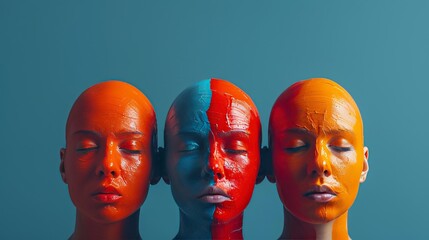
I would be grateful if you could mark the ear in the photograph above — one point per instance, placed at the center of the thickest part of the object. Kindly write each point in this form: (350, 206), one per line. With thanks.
(262, 166)
(269, 170)
(163, 169)
(62, 168)
(365, 168)
(156, 163)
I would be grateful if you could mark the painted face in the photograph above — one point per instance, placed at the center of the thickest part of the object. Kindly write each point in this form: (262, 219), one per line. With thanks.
(107, 161)
(317, 150)
(212, 150)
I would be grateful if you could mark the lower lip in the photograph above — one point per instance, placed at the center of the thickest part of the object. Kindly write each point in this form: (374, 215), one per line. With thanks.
(214, 198)
(107, 197)
(321, 197)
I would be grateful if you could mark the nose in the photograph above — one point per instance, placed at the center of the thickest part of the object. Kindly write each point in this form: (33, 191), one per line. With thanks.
(215, 163)
(109, 163)
(320, 165)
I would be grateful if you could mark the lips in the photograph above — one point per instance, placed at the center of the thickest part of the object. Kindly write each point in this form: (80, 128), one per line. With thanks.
(214, 194)
(321, 194)
(107, 194)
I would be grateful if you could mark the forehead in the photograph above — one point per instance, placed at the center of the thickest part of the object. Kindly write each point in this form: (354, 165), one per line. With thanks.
(316, 107)
(110, 109)
(212, 105)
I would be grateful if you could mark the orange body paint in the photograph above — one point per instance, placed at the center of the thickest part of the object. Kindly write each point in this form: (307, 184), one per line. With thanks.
(318, 158)
(110, 142)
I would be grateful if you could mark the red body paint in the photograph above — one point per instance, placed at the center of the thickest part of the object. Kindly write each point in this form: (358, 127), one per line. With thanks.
(234, 154)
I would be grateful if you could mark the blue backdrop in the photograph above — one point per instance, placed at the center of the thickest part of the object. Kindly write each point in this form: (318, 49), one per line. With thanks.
(50, 51)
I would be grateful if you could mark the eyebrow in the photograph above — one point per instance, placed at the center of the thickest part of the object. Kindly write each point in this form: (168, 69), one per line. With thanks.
(129, 133)
(240, 133)
(329, 132)
(190, 133)
(89, 132)
(340, 132)
(298, 131)
(121, 133)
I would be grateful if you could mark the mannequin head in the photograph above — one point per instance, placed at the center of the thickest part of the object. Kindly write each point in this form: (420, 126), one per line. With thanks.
(110, 142)
(318, 154)
(212, 143)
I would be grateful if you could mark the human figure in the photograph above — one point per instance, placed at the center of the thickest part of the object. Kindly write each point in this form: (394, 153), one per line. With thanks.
(107, 162)
(212, 157)
(318, 158)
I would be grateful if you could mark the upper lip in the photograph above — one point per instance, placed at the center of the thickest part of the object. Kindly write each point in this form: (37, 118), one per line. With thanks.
(213, 190)
(106, 190)
(320, 189)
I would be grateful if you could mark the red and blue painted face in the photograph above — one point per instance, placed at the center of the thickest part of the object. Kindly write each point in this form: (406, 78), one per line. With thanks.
(212, 136)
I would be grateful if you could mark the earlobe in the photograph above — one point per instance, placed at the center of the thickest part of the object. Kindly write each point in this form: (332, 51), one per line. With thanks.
(365, 168)
(156, 167)
(155, 172)
(262, 166)
(162, 165)
(62, 168)
(268, 165)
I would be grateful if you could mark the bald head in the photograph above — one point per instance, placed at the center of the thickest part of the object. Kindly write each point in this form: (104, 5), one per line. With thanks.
(316, 140)
(111, 99)
(212, 141)
(195, 104)
(313, 100)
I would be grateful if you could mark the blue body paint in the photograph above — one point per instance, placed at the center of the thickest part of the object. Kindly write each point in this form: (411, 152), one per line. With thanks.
(187, 152)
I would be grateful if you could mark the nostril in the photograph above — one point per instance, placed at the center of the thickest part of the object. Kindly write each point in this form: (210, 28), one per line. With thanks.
(326, 172)
(219, 175)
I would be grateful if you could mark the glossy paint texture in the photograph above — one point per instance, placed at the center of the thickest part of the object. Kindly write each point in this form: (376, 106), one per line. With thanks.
(110, 142)
(318, 155)
(212, 158)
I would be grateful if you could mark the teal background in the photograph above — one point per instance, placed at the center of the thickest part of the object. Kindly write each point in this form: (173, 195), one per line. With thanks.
(50, 51)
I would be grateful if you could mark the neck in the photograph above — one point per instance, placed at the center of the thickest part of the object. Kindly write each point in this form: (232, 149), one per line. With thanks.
(87, 228)
(211, 229)
(296, 229)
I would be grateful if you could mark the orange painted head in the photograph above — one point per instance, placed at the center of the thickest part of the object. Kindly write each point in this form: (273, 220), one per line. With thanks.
(318, 153)
(110, 144)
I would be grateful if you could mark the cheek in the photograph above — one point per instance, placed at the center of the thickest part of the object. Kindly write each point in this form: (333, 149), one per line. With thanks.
(79, 169)
(241, 174)
(136, 174)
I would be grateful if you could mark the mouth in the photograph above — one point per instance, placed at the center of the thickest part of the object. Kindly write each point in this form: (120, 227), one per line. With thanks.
(321, 194)
(107, 194)
(214, 194)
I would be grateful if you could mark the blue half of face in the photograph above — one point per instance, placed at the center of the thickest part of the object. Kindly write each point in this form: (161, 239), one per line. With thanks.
(187, 146)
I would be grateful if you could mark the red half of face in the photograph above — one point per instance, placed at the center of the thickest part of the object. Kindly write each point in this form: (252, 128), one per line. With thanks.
(234, 147)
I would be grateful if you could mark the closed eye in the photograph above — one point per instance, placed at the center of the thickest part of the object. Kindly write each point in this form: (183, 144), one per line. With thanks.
(189, 147)
(130, 151)
(86, 149)
(235, 151)
(340, 149)
(296, 149)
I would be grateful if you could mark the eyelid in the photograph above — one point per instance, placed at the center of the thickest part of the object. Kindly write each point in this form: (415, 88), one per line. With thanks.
(296, 145)
(235, 147)
(86, 145)
(189, 146)
(131, 146)
(340, 145)
(340, 149)
(86, 149)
